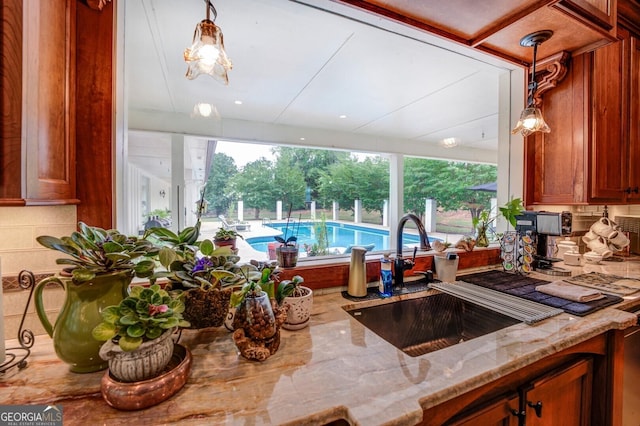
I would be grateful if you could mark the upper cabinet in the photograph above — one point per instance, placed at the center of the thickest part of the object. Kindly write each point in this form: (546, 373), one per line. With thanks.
(592, 153)
(38, 91)
(614, 145)
(496, 26)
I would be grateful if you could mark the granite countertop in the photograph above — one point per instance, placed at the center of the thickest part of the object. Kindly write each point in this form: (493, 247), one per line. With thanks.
(334, 369)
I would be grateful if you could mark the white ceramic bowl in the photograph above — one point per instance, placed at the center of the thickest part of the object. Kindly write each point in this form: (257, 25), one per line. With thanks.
(593, 258)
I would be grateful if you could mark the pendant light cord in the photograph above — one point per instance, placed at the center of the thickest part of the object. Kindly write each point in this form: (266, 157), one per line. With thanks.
(211, 8)
(533, 84)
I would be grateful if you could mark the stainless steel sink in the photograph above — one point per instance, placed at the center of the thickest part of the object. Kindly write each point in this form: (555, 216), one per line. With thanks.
(427, 324)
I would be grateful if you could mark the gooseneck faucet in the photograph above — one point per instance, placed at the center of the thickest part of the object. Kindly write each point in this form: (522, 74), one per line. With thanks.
(402, 264)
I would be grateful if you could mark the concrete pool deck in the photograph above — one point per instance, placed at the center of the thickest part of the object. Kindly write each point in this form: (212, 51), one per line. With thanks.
(260, 228)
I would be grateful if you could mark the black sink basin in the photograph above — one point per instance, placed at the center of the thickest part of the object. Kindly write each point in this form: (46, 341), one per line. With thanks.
(427, 324)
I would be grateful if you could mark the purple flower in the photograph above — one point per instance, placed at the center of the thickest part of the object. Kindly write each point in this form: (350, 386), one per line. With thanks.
(202, 264)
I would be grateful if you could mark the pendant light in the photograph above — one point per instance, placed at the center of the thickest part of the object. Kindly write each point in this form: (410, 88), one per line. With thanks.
(531, 119)
(206, 54)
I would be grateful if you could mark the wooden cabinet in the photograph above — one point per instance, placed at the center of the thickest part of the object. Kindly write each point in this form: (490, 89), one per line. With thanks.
(614, 145)
(502, 411)
(562, 396)
(591, 155)
(496, 26)
(39, 90)
(579, 385)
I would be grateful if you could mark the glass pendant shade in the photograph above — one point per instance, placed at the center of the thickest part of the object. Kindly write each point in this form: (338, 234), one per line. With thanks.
(531, 121)
(207, 55)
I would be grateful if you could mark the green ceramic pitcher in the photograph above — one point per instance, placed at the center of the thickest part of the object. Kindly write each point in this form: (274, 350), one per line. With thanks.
(81, 312)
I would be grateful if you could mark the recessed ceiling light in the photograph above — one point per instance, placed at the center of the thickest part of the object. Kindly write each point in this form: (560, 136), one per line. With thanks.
(449, 142)
(301, 139)
(203, 109)
(238, 102)
(343, 116)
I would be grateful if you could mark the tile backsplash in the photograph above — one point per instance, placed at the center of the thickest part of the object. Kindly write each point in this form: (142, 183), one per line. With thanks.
(19, 227)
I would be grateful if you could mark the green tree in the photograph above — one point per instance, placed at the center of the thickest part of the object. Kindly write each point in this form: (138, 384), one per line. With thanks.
(347, 181)
(288, 184)
(312, 163)
(217, 193)
(254, 185)
(447, 183)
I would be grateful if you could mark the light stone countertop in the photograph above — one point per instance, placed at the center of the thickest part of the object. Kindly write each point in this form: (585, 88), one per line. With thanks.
(333, 369)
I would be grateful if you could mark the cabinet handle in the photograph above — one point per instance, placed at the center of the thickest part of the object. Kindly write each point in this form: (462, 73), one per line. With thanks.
(518, 414)
(635, 189)
(629, 190)
(537, 407)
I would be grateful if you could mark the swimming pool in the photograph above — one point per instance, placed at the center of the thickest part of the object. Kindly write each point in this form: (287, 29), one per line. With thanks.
(339, 235)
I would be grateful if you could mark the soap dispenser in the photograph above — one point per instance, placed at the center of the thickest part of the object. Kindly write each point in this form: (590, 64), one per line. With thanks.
(357, 273)
(386, 278)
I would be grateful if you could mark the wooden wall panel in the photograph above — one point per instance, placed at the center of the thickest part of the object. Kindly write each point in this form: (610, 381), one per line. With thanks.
(11, 85)
(95, 113)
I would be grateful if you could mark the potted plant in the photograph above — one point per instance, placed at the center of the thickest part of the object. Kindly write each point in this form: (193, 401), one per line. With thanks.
(137, 333)
(102, 264)
(481, 224)
(287, 251)
(206, 275)
(226, 237)
(510, 210)
(297, 300)
(258, 316)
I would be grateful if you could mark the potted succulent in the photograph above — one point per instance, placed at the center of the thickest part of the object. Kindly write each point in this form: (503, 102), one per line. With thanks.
(297, 301)
(258, 316)
(137, 333)
(102, 264)
(206, 275)
(226, 237)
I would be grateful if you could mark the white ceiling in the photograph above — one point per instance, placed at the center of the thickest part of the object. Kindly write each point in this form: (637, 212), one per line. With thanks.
(297, 67)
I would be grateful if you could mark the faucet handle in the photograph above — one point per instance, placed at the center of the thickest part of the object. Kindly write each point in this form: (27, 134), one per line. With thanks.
(413, 259)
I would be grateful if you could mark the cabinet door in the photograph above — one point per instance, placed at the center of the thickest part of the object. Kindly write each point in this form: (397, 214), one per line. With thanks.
(634, 121)
(608, 165)
(49, 98)
(555, 162)
(11, 122)
(600, 13)
(499, 412)
(562, 397)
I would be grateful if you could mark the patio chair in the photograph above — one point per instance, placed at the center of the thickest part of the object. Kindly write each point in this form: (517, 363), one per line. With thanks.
(226, 224)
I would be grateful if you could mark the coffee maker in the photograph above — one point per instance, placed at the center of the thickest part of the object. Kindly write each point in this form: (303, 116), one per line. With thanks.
(540, 226)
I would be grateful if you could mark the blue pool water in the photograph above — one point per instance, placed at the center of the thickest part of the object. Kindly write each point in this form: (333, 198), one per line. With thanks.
(339, 235)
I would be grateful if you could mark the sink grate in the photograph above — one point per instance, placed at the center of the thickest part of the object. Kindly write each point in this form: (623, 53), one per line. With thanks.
(431, 346)
(515, 307)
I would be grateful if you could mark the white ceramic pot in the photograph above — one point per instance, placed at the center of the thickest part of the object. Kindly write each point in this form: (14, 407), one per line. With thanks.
(566, 246)
(592, 257)
(146, 362)
(298, 310)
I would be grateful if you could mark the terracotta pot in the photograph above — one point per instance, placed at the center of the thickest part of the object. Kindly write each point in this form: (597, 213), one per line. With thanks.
(147, 361)
(298, 310)
(225, 243)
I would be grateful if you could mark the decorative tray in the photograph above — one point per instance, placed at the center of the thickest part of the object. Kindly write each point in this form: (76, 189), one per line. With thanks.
(144, 394)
